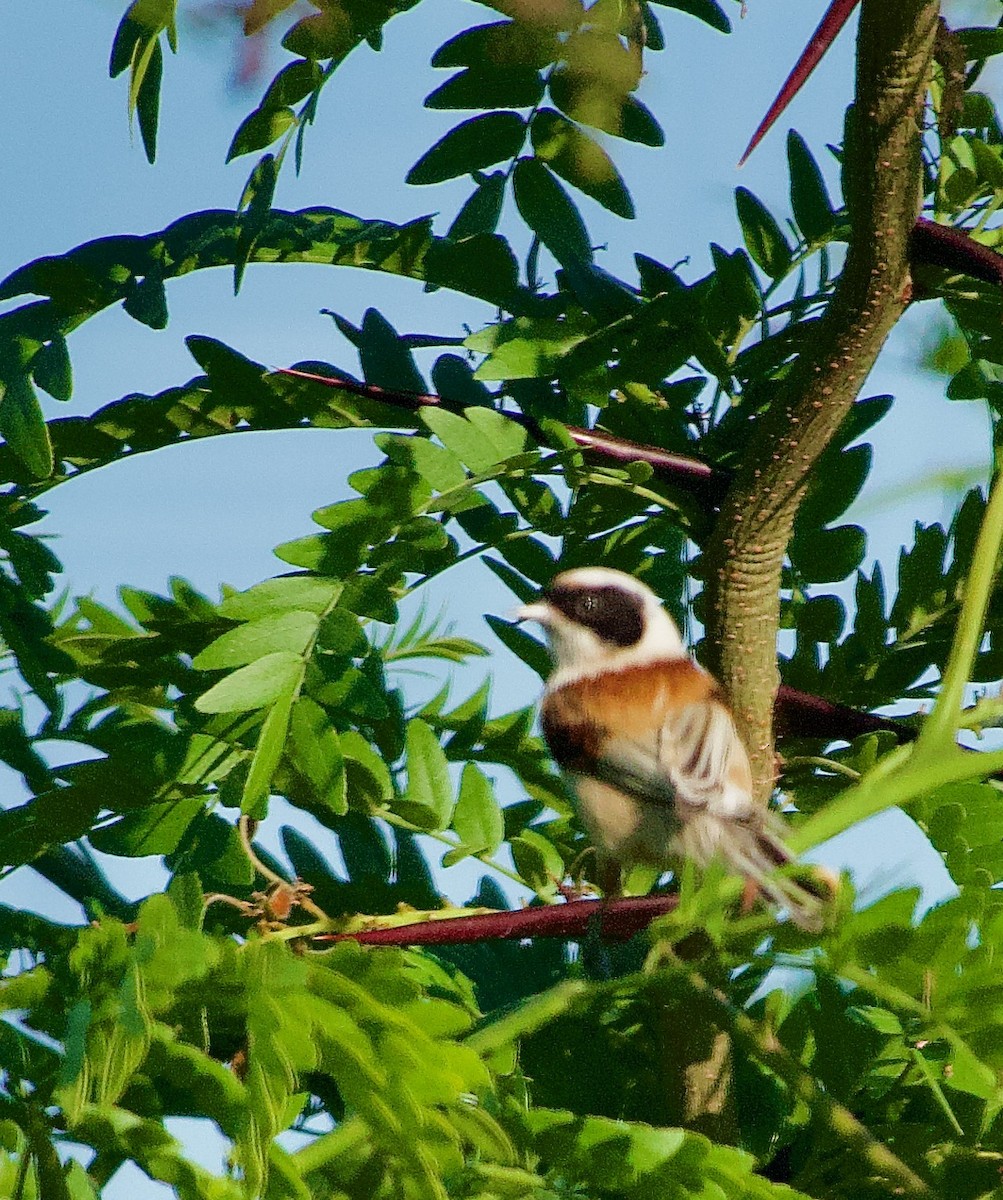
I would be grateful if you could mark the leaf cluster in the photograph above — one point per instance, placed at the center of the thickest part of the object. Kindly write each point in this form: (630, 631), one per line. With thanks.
(862, 1060)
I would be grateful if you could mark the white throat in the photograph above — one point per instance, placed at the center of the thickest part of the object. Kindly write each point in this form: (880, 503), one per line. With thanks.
(579, 653)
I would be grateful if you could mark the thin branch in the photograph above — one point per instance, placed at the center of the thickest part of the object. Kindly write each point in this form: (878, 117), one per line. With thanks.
(798, 713)
(611, 920)
(762, 1044)
(943, 246)
(691, 473)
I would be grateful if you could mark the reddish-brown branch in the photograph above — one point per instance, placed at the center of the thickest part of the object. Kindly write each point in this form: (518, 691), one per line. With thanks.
(954, 249)
(836, 16)
(369, 391)
(611, 920)
(799, 714)
(691, 473)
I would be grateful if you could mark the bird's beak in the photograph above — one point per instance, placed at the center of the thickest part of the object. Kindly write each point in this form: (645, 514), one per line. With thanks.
(539, 611)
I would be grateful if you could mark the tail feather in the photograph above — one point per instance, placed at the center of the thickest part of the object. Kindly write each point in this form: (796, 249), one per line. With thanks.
(756, 850)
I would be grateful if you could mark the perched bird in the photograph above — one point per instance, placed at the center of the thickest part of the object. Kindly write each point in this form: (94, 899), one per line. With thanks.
(650, 745)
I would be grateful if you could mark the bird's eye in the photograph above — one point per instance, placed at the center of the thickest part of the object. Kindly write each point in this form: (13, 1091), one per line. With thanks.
(587, 604)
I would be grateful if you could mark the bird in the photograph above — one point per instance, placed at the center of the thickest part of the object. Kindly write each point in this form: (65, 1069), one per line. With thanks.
(656, 762)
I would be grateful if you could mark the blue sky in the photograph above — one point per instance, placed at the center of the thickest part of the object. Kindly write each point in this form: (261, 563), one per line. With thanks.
(212, 511)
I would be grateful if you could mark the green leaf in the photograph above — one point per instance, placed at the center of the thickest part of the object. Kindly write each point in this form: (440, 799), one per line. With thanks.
(970, 1074)
(480, 142)
(146, 302)
(478, 447)
(103, 272)
(763, 236)
(478, 820)
(638, 124)
(306, 592)
(489, 87)
(354, 524)
(737, 281)
(586, 100)
(341, 27)
(526, 349)
(284, 631)
(156, 829)
(501, 44)
(654, 37)
(254, 686)
(253, 212)
(453, 379)
(533, 653)
(708, 11)
(268, 752)
(428, 799)
(52, 369)
(829, 555)
(137, 48)
(374, 593)
(259, 129)
(580, 160)
(821, 619)
(547, 209)
(315, 752)
(481, 213)
(148, 101)
(341, 633)
(601, 295)
(293, 83)
(600, 1155)
(369, 782)
(482, 265)
(979, 43)
(507, 438)
(810, 201)
(537, 861)
(437, 465)
(838, 479)
(386, 359)
(22, 423)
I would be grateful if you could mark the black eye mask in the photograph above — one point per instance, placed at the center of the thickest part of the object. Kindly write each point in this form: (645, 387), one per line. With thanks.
(611, 613)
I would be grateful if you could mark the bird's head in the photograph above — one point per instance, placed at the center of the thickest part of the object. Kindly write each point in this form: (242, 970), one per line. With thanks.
(597, 620)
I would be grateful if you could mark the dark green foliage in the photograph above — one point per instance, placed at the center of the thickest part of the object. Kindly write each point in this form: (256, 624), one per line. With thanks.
(492, 1069)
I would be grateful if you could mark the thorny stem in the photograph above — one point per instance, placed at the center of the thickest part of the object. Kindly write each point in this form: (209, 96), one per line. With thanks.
(746, 549)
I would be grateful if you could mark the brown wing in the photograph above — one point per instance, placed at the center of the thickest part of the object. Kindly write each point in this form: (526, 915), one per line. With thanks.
(659, 732)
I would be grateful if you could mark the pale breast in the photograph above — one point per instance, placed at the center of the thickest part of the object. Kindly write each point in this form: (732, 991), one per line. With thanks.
(626, 829)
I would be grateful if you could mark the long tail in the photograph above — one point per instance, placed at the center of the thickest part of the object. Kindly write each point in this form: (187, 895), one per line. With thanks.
(757, 851)
(764, 859)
